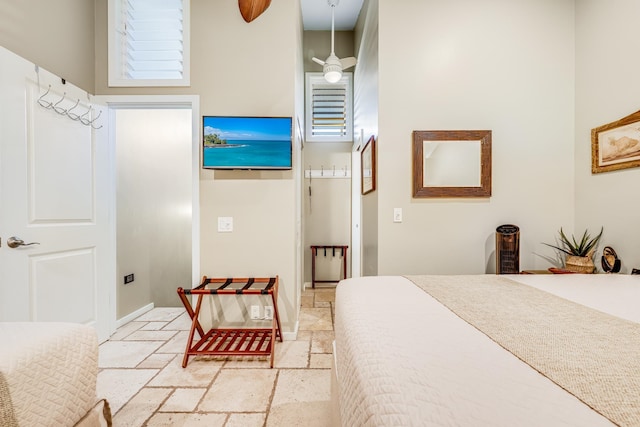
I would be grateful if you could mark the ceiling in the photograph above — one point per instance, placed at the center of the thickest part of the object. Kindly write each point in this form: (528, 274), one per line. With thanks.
(316, 14)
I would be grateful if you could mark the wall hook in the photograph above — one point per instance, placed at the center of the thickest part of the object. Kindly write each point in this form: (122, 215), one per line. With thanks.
(73, 116)
(42, 101)
(83, 119)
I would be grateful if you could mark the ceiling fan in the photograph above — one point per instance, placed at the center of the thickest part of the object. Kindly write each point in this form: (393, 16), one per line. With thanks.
(333, 66)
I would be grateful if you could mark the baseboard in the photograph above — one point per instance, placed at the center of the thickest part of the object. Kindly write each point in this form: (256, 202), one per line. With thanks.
(131, 316)
(291, 336)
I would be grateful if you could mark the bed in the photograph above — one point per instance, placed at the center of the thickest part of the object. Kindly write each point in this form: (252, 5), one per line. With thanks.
(48, 374)
(403, 357)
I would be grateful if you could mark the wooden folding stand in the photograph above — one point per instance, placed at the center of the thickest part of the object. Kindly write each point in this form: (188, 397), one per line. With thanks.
(232, 341)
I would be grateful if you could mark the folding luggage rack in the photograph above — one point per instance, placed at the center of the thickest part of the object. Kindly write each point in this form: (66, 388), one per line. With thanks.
(333, 248)
(232, 341)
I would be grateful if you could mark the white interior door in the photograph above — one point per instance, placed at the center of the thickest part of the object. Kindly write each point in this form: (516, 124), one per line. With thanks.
(54, 190)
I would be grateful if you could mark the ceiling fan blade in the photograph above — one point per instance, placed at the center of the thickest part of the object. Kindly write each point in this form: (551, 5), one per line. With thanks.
(317, 61)
(251, 9)
(348, 62)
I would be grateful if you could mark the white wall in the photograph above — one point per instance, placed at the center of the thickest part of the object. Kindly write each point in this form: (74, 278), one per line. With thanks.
(56, 35)
(260, 81)
(153, 192)
(242, 69)
(607, 89)
(497, 64)
(327, 209)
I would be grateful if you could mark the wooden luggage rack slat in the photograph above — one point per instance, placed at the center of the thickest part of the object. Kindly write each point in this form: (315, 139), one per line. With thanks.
(231, 341)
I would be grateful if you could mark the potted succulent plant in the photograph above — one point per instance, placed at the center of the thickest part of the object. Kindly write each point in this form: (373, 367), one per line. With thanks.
(579, 253)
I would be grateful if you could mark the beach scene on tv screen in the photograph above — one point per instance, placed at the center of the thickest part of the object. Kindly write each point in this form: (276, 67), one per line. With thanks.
(247, 142)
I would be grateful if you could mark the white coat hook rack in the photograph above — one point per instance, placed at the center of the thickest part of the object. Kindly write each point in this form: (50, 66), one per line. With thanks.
(64, 106)
(328, 174)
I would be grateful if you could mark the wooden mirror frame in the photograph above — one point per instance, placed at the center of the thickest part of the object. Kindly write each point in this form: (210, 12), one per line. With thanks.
(484, 136)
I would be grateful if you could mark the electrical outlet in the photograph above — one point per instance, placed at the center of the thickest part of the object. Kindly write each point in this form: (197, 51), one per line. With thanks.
(128, 278)
(255, 312)
(268, 312)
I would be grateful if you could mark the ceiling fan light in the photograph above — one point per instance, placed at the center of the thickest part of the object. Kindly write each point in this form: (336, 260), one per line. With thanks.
(333, 76)
(332, 70)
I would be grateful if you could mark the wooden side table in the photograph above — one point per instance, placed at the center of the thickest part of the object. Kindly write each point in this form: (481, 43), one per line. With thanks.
(332, 248)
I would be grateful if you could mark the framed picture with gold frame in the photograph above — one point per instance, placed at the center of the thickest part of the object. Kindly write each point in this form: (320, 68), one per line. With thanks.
(368, 166)
(616, 145)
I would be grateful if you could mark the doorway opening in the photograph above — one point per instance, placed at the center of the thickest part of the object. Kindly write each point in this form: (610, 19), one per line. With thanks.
(156, 163)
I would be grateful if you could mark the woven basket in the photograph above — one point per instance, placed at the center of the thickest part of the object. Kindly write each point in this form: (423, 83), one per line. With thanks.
(580, 264)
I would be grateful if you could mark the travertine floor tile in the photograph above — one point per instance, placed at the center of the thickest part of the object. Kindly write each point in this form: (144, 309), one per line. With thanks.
(177, 344)
(302, 385)
(141, 335)
(125, 354)
(187, 420)
(245, 420)
(181, 323)
(218, 391)
(183, 400)
(120, 385)
(306, 301)
(198, 373)
(325, 296)
(248, 362)
(125, 330)
(302, 398)
(315, 319)
(304, 335)
(153, 326)
(161, 314)
(156, 361)
(321, 361)
(141, 407)
(307, 414)
(292, 354)
(322, 342)
(240, 390)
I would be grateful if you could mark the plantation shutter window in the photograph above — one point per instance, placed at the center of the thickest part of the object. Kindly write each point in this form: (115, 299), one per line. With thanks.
(148, 42)
(328, 109)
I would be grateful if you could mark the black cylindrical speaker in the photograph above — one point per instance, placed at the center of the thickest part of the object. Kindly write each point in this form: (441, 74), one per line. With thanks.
(507, 249)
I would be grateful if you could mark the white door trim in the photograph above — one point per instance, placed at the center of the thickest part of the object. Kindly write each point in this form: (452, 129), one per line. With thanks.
(356, 207)
(115, 102)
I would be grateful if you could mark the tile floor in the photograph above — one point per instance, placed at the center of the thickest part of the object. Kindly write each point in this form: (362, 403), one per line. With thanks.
(142, 378)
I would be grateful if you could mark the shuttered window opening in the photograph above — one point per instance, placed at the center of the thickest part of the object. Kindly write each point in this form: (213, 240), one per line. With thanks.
(329, 110)
(328, 115)
(150, 43)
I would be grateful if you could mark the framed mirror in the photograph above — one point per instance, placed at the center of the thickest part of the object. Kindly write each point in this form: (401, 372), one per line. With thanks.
(453, 163)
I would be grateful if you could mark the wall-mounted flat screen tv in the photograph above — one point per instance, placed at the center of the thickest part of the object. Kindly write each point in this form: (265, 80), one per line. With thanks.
(231, 142)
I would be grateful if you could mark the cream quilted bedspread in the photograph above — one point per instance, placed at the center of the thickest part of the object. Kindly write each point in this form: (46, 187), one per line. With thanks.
(403, 359)
(51, 371)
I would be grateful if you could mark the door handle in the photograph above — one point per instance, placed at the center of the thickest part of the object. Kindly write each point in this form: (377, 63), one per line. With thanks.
(14, 242)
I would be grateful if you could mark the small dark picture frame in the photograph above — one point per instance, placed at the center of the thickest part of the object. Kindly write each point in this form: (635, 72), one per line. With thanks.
(368, 166)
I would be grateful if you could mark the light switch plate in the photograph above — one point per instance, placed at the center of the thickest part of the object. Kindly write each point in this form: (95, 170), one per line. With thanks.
(225, 224)
(397, 214)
